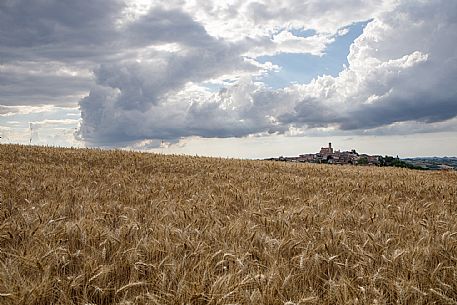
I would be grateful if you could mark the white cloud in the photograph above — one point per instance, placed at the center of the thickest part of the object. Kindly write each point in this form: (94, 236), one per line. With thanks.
(234, 19)
(286, 42)
(61, 122)
(399, 70)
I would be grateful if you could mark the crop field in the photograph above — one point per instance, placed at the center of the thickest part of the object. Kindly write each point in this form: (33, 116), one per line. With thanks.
(81, 226)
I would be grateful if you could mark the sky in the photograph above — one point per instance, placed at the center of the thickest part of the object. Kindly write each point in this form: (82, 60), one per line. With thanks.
(230, 78)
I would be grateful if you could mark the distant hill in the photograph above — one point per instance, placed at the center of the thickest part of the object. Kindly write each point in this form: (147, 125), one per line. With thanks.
(434, 163)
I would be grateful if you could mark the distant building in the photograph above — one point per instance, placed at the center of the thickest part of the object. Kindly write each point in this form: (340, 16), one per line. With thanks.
(307, 158)
(326, 150)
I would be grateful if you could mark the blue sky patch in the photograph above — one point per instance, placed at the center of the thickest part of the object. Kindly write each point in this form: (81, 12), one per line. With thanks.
(302, 68)
(303, 33)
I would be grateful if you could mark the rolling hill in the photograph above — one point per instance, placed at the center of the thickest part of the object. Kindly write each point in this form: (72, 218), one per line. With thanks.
(81, 226)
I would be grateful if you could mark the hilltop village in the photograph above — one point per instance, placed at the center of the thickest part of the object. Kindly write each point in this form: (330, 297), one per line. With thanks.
(331, 156)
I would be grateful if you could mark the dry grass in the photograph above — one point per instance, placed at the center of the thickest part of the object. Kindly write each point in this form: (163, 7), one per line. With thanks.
(112, 227)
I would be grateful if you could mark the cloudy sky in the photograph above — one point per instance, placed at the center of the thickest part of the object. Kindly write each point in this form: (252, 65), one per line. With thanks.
(251, 78)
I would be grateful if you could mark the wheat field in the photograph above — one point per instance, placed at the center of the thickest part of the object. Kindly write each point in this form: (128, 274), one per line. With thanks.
(81, 226)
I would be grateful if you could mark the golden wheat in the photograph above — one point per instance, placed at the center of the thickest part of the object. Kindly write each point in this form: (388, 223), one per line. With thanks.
(115, 227)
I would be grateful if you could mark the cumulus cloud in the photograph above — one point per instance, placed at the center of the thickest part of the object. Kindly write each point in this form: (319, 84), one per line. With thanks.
(240, 110)
(127, 91)
(137, 68)
(400, 69)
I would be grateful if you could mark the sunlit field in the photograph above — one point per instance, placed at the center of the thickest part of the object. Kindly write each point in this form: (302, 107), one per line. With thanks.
(114, 227)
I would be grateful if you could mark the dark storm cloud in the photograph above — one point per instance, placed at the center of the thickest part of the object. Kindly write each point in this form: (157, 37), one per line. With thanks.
(224, 114)
(37, 28)
(38, 22)
(39, 39)
(84, 29)
(398, 110)
(29, 84)
(161, 25)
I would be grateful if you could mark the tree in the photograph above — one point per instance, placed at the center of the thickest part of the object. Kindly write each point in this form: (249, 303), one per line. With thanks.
(363, 161)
